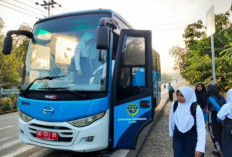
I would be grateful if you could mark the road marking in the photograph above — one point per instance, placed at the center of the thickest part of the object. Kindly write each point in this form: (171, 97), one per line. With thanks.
(6, 127)
(42, 152)
(9, 144)
(19, 151)
(4, 139)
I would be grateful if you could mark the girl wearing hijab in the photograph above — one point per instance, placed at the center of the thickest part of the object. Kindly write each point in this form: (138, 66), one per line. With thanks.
(202, 98)
(225, 114)
(187, 130)
(215, 102)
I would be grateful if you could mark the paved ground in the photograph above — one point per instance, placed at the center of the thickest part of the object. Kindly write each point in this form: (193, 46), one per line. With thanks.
(159, 144)
(10, 145)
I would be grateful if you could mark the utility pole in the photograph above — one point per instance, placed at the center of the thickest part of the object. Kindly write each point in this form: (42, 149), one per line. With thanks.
(48, 5)
(210, 31)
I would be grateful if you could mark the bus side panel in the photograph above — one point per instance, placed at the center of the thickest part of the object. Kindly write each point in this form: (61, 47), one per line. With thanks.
(128, 118)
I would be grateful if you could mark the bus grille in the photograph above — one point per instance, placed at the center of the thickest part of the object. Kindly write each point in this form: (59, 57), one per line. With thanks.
(65, 134)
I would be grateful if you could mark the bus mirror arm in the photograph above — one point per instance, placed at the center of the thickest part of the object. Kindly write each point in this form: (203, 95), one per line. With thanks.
(101, 58)
(103, 32)
(7, 45)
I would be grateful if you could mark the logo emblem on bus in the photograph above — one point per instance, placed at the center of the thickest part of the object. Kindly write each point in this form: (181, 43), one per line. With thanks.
(132, 109)
(51, 97)
(48, 110)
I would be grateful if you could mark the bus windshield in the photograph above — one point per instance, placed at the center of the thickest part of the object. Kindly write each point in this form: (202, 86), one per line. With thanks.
(66, 47)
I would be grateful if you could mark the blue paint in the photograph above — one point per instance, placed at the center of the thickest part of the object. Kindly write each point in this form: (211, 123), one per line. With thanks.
(63, 110)
(123, 121)
(139, 78)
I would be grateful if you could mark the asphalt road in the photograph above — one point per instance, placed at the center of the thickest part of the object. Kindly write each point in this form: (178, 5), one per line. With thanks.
(10, 145)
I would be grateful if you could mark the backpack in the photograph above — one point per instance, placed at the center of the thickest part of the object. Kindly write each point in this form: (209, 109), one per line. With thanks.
(193, 110)
(221, 101)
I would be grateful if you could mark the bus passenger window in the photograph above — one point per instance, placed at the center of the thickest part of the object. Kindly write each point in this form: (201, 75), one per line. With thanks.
(138, 75)
(124, 77)
(132, 77)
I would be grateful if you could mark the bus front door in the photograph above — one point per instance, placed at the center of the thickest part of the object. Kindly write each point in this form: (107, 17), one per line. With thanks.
(132, 94)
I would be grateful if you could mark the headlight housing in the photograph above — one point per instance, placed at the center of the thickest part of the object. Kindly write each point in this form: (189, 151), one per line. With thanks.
(87, 120)
(24, 117)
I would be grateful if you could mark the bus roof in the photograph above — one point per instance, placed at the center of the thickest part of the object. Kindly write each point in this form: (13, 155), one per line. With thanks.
(85, 12)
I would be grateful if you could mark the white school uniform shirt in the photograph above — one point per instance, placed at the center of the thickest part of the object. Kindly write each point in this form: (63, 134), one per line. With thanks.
(85, 50)
(184, 121)
(226, 110)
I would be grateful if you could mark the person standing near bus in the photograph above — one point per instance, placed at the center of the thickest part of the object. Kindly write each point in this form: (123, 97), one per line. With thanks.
(202, 98)
(186, 125)
(164, 84)
(170, 91)
(215, 102)
(86, 55)
(225, 114)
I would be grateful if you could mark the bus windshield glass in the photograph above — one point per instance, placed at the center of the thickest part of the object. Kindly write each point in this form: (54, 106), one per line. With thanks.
(66, 47)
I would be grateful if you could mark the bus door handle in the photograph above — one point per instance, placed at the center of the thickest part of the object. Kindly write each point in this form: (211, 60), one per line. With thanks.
(144, 104)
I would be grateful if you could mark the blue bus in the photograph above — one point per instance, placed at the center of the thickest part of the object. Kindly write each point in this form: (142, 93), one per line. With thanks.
(91, 82)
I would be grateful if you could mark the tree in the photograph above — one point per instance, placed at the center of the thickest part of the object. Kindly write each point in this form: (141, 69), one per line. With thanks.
(194, 61)
(1, 24)
(180, 57)
(165, 77)
(11, 65)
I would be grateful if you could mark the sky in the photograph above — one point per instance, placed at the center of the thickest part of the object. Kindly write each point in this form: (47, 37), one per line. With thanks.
(166, 18)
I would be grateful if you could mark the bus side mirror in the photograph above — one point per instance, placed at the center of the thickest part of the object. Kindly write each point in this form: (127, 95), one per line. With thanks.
(7, 45)
(103, 37)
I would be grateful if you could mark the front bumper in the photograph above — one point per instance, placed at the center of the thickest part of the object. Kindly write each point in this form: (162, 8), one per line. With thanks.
(90, 138)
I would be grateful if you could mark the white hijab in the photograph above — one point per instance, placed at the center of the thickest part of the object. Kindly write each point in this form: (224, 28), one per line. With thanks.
(229, 96)
(183, 119)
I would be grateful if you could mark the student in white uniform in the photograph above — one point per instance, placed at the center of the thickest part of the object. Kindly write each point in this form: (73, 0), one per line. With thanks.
(225, 114)
(186, 125)
(86, 60)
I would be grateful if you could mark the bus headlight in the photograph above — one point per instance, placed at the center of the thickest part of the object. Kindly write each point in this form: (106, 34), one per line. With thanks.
(87, 120)
(24, 117)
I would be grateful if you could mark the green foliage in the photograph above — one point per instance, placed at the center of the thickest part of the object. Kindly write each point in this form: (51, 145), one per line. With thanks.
(7, 104)
(11, 66)
(14, 100)
(1, 23)
(180, 57)
(166, 77)
(194, 62)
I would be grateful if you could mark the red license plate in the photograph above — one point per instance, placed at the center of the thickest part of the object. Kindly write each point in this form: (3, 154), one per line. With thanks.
(47, 135)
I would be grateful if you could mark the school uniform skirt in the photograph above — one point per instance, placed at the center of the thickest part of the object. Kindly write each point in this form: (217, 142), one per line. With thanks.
(184, 144)
(227, 138)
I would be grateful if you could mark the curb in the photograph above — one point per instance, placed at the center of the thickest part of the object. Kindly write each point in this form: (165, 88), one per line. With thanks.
(2, 113)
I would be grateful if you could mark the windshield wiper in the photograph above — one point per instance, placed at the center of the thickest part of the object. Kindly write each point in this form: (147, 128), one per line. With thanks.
(67, 90)
(40, 78)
